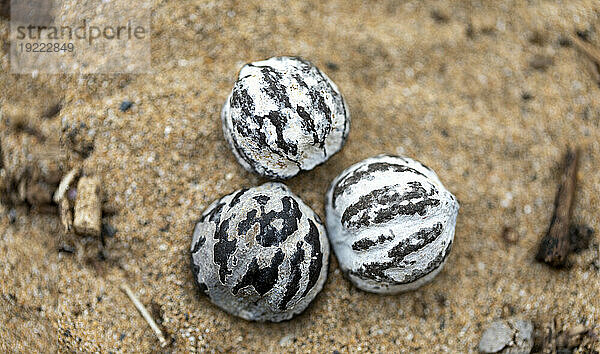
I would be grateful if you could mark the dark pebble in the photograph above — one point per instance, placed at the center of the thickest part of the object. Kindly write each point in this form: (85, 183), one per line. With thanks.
(12, 216)
(537, 38)
(564, 42)
(125, 105)
(526, 96)
(585, 35)
(108, 230)
(439, 16)
(332, 66)
(66, 249)
(52, 111)
(541, 62)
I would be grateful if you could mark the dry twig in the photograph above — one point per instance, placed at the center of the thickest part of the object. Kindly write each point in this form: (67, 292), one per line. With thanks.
(65, 184)
(587, 48)
(592, 52)
(556, 244)
(144, 314)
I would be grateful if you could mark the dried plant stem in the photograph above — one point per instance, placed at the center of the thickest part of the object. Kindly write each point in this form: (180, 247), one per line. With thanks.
(145, 314)
(587, 48)
(556, 244)
(65, 184)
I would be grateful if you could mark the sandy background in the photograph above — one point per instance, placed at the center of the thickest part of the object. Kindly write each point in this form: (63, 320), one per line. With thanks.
(456, 85)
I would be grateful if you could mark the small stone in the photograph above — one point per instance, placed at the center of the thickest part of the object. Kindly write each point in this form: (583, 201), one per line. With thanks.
(108, 230)
(88, 207)
(125, 106)
(523, 336)
(526, 96)
(52, 111)
(332, 66)
(439, 16)
(510, 235)
(12, 215)
(66, 249)
(541, 62)
(496, 337)
(564, 42)
(537, 38)
(512, 336)
(286, 340)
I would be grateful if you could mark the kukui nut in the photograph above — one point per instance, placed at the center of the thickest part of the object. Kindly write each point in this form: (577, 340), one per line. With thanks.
(260, 253)
(283, 116)
(391, 223)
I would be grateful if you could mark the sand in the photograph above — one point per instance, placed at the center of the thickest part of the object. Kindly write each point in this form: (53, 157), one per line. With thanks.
(488, 94)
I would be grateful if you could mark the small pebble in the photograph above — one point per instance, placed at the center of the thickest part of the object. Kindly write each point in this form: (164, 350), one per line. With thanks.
(66, 249)
(12, 215)
(510, 336)
(332, 66)
(286, 340)
(541, 62)
(510, 235)
(108, 230)
(497, 336)
(125, 106)
(526, 96)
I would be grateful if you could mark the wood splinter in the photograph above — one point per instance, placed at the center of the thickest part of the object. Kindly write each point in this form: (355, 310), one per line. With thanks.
(556, 245)
(587, 48)
(592, 52)
(87, 218)
(145, 314)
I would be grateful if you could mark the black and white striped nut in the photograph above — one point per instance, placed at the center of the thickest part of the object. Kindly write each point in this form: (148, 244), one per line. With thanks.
(283, 116)
(260, 253)
(391, 223)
